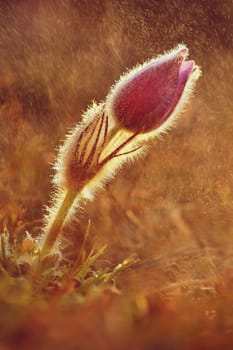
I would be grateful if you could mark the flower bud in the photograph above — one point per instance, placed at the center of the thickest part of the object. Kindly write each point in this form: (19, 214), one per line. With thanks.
(147, 96)
(141, 105)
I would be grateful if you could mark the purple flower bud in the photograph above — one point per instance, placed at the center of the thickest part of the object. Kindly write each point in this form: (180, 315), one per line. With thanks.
(147, 96)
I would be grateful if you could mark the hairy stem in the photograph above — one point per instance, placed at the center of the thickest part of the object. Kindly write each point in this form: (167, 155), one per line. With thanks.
(58, 221)
(90, 168)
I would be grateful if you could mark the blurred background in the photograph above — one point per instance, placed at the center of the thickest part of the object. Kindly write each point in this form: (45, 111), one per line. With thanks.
(172, 209)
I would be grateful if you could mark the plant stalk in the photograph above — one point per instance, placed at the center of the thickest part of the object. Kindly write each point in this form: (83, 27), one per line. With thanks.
(111, 151)
(58, 221)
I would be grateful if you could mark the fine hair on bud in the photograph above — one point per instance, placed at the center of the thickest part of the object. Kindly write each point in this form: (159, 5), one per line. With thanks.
(150, 96)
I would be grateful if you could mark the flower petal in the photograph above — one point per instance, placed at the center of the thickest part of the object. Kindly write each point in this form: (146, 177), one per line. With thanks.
(145, 97)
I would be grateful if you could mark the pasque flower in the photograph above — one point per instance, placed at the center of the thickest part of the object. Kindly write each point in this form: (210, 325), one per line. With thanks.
(147, 96)
(141, 105)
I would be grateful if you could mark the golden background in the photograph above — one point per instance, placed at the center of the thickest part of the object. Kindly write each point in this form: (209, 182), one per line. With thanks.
(172, 209)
